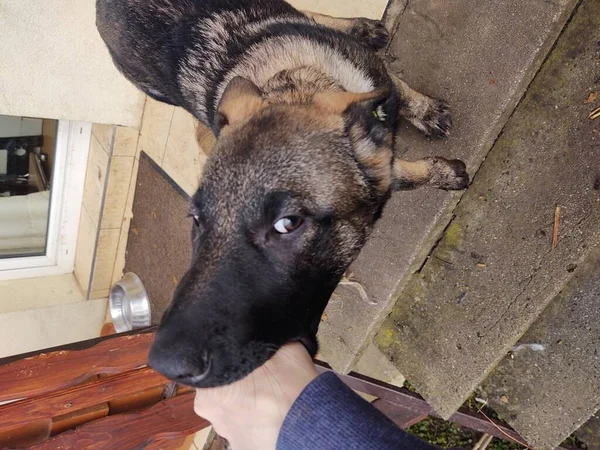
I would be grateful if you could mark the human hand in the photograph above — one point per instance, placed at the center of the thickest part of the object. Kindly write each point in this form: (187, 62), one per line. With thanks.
(250, 413)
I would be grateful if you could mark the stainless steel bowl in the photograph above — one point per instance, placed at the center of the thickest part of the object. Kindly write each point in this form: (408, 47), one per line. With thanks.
(129, 304)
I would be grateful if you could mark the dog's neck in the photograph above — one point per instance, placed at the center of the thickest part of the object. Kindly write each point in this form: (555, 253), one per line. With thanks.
(298, 86)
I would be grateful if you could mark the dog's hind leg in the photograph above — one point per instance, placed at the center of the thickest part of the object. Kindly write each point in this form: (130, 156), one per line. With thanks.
(435, 172)
(430, 115)
(371, 32)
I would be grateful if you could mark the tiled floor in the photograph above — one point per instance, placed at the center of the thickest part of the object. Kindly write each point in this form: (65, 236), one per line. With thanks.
(112, 165)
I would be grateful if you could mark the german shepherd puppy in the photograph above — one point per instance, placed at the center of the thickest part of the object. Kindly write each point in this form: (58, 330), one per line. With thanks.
(305, 114)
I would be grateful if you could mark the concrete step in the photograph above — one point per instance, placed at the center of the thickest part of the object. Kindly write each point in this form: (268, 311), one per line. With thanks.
(589, 433)
(549, 385)
(480, 56)
(495, 269)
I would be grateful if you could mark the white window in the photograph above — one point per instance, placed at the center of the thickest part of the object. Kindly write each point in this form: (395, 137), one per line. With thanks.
(68, 175)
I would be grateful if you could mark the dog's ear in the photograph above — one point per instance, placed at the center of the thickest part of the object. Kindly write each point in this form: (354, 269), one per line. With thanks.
(370, 121)
(240, 101)
(340, 102)
(374, 113)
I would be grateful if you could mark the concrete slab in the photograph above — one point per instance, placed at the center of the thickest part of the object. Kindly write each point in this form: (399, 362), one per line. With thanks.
(549, 385)
(495, 269)
(480, 56)
(374, 364)
(589, 433)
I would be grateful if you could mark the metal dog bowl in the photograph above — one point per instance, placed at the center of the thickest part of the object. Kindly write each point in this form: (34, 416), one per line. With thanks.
(129, 304)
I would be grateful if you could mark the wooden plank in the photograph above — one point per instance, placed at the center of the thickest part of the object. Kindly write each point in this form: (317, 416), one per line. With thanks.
(68, 421)
(165, 444)
(76, 346)
(18, 414)
(136, 401)
(47, 372)
(152, 429)
(32, 433)
(401, 416)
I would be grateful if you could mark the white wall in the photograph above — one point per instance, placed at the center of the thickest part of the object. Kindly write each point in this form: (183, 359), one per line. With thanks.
(38, 313)
(38, 329)
(56, 66)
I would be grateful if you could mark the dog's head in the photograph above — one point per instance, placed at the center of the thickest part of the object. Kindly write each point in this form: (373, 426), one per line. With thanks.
(286, 202)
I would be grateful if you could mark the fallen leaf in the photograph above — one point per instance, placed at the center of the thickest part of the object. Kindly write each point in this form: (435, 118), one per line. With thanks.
(175, 280)
(135, 231)
(481, 265)
(591, 98)
(324, 317)
(504, 399)
(493, 81)
(154, 216)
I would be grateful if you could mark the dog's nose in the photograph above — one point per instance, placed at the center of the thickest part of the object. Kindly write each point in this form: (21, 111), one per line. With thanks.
(179, 364)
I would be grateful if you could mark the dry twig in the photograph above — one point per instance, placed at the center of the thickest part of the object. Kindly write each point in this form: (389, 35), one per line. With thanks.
(556, 226)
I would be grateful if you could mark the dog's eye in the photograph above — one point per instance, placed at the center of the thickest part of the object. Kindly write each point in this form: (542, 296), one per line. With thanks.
(288, 224)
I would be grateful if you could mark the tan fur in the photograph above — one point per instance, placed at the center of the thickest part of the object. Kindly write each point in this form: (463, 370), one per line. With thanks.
(241, 100)
(336, 23)
(436, 172)
(412, 171)
(338, 102)
(298, 86)
(206, 138)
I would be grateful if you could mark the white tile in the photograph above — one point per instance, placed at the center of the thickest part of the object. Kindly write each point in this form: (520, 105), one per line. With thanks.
(98, 295)
(106, 253)
(104, 134)
(33, 293)
(84, 252)
(184, 159)
(27, 331)
(95, 178)
(117, 191)
(156, 123)
(373, 9)
(126, 141)
(120, 261)
(132, 187)
(201, 437)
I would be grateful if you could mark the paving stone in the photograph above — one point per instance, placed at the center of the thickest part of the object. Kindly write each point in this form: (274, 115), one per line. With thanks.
(549, 385)
(589, 433)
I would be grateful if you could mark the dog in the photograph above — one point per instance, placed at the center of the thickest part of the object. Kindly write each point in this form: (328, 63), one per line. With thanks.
(305, 114)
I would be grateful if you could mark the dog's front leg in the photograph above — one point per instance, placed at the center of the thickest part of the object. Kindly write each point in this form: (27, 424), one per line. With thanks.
(430, 115)
(436, 172)
(371, 32)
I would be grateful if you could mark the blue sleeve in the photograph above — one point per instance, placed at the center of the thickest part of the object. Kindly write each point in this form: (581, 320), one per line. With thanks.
(329, 415)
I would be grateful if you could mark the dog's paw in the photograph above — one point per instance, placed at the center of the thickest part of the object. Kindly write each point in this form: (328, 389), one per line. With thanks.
(450, 175)
(371, 32)
(436, 120)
